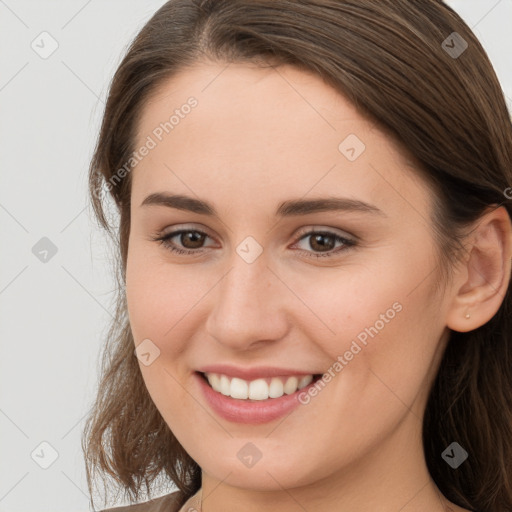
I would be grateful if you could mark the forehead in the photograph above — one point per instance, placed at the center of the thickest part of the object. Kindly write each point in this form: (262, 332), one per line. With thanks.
(255, 133)
(252, 97)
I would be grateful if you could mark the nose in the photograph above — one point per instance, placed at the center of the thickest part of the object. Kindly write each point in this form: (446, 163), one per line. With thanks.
(249, 305)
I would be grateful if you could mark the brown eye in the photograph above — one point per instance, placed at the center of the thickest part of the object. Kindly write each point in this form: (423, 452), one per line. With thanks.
(188, 241)
(192, 239)
(323, 244)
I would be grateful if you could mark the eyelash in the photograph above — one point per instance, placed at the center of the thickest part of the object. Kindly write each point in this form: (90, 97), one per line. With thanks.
(347, 243)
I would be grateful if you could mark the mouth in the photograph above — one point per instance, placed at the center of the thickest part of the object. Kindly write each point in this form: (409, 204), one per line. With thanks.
(257, 390)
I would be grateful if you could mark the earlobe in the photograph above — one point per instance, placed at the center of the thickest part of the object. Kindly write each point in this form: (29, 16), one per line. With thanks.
(485, 276)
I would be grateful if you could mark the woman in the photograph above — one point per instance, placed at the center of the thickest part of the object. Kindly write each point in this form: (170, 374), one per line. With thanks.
(314, 261)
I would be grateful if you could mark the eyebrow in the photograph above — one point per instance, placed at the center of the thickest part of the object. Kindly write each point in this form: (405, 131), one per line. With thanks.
(285, 209)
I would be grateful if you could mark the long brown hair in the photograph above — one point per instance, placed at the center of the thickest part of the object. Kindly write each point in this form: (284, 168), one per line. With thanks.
(390, 58)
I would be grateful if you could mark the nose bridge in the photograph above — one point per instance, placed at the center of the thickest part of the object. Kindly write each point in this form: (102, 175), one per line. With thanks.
(246, 303)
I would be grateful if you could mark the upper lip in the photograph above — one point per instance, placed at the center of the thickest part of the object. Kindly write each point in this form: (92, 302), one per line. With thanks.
(252, 373)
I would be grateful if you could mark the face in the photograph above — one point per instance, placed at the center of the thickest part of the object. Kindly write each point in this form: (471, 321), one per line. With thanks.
(346, 292)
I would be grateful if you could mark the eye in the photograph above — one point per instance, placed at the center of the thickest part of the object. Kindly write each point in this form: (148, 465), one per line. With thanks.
(325, 241)
(191, 239)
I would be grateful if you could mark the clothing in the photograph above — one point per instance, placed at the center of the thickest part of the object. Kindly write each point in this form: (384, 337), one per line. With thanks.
(165, 503)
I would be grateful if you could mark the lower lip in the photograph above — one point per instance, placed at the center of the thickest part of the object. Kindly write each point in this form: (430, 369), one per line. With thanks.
(243, 411)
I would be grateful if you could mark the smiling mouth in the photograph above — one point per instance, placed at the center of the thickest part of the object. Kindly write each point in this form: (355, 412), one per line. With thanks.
(257, 389)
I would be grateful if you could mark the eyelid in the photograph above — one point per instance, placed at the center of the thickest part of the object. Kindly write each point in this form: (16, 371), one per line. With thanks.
(185, 227)
(321, 228)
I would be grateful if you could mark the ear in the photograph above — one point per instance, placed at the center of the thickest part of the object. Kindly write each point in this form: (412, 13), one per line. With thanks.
(481, 283)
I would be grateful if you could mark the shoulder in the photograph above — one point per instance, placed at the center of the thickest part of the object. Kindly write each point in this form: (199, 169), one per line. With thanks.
(167, 503)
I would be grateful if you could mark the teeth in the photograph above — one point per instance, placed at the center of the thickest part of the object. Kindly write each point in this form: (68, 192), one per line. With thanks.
(259, 389)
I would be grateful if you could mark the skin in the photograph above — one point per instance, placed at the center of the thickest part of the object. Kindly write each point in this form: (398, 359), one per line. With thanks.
(256, 138)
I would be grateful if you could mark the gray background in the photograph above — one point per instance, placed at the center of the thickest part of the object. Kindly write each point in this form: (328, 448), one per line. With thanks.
(54, 313)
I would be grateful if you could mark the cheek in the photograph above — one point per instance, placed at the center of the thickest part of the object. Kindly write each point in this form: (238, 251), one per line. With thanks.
(382, 320)
(158, 295)
(158, 300)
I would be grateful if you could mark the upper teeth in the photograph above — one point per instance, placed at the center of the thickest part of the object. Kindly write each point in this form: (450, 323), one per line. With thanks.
(259, 389)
